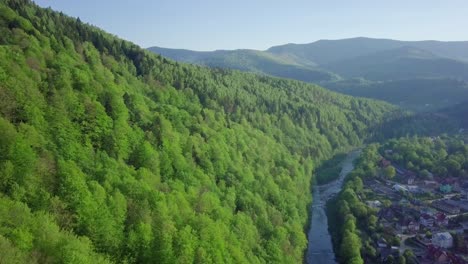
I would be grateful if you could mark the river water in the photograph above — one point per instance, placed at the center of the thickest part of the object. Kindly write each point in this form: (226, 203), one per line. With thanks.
(320, 249)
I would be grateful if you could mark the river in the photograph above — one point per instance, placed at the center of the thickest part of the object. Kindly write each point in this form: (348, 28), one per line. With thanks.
(320, 248)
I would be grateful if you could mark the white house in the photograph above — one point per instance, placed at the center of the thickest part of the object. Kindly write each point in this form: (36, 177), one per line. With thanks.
(443, 240)
(413, 188)
(400, 188)
(374, 204)
(426, 220)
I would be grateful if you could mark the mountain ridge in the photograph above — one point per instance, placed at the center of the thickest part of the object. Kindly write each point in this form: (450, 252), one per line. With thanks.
(327, 62)
(454, 49)
(406, 62)
(249, 60)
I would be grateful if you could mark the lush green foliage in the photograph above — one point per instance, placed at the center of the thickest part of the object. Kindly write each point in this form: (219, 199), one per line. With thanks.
(356, 224)
(442, 156)
(109, 153)
(329, 170)
(352, 219)
(422, 124)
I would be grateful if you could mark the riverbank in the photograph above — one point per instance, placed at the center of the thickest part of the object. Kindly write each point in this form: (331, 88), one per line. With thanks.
(330, 170)
(320, 248)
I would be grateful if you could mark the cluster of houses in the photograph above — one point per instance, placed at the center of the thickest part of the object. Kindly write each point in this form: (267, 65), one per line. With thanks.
(417, 222)
(430, 223)
(409, 220)
(445, 187)
(436, 255)
(451, 191)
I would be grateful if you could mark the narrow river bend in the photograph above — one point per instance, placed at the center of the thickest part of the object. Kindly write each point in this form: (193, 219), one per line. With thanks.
(320, 249)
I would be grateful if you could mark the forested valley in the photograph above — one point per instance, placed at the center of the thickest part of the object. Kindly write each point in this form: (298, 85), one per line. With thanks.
(112, 154)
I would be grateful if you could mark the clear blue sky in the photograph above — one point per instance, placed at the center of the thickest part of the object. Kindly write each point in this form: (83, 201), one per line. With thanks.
(259, 24)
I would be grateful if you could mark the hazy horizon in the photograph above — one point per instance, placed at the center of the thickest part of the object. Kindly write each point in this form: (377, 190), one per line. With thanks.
(305, 43)
(217, 25)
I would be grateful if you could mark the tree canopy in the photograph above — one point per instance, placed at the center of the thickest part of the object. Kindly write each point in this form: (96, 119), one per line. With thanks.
(109, 153)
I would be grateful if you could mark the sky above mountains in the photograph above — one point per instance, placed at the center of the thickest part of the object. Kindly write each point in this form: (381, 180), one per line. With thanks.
(259, 24)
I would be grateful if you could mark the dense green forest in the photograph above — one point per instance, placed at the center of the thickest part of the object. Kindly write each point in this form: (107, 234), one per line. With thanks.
(109, 153)
(352, 219)
(330, 169)
(451, 121)
(441, 156)
(420, 95)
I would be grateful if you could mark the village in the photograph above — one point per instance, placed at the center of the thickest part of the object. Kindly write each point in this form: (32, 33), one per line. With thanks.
(428, 217)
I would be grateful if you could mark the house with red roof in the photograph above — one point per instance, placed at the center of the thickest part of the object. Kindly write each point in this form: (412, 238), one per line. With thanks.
(441, 219)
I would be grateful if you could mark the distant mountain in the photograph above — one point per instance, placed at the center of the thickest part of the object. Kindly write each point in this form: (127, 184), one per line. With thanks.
(418, 75)
(184, 55)
(400, 63)
(330, 51)
(249, 60)
(326, 60)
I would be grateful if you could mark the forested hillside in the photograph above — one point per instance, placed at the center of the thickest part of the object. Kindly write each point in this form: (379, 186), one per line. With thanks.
(416, 75)
(109, 153)
(420, 95)
(250, 60)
